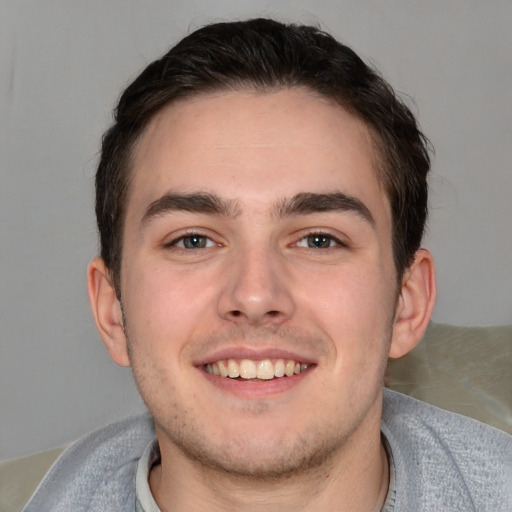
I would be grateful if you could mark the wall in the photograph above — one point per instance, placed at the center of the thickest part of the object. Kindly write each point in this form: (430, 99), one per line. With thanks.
(63, 64)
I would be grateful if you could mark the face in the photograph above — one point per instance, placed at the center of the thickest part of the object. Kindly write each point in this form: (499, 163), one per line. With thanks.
(257, 280)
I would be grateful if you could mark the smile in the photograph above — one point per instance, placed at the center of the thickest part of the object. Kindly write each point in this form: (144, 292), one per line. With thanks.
(264, 369)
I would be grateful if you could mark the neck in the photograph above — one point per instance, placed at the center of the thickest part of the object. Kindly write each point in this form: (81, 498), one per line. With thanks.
(351, 480)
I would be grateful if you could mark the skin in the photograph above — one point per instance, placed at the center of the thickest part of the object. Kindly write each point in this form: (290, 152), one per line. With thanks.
(260, 287)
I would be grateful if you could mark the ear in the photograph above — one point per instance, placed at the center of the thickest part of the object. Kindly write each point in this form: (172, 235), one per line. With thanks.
(106, 310)
(415, 304)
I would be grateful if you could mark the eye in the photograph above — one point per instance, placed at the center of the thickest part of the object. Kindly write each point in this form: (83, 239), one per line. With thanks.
(193, 241)
(319, 241)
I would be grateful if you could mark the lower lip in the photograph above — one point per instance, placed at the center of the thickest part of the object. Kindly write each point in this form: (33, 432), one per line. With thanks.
(257, 389)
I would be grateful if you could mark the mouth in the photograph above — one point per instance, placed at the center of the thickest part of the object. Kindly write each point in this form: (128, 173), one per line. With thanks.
(249, 369)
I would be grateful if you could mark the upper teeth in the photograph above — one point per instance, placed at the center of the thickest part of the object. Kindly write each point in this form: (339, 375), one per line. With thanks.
(249, 369)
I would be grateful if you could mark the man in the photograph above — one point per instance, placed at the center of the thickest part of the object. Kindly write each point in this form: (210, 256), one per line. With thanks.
(261, 200)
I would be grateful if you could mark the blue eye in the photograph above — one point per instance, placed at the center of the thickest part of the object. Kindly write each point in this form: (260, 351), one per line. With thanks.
(193, 242)
(318, 241)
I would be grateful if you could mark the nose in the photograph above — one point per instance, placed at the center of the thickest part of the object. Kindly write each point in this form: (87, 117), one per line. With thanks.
(256, 290)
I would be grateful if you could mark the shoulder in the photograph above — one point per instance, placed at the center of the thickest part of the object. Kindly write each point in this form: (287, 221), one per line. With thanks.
(96, 473)
(446, 461)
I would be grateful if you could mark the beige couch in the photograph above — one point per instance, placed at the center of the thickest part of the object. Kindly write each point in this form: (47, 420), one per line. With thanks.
(467, 370)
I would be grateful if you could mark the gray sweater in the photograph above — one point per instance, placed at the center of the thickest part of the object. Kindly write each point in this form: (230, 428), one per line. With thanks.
(442, 462)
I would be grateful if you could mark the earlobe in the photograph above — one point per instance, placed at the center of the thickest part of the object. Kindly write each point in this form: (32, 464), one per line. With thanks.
(106, 310)
(415, 304)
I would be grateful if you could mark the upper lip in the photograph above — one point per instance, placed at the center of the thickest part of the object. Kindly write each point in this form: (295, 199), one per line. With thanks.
(253, 354)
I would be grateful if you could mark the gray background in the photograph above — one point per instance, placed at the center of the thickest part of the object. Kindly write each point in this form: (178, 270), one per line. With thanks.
(63, 65)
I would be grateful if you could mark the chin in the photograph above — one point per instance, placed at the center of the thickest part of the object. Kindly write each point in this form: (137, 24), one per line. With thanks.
(253, 456)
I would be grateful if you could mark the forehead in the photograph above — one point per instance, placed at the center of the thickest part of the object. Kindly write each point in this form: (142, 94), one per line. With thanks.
(251, 146)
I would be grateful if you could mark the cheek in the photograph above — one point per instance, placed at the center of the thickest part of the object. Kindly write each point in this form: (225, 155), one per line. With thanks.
(160, 318)
(355, 311)
(347, 298)
(154, 304)
(167, 309)
(152, 287)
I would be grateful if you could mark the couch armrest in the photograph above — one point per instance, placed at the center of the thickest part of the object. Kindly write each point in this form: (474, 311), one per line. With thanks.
(467, 370)
(19, 478)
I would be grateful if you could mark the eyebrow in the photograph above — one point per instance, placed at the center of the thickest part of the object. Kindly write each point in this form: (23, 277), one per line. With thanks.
(303, 203)
(307, 203)
(194, 202)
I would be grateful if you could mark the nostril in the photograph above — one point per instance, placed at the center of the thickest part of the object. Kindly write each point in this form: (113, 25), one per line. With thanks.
(273, 313)
(236, 313)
